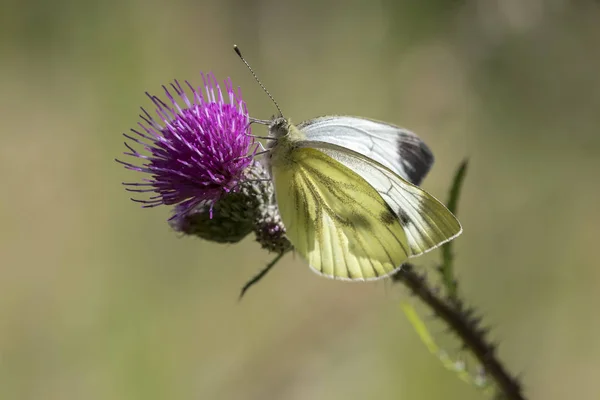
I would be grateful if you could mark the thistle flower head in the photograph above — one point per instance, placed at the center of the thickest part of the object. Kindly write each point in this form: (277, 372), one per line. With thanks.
(197, 148)
(200, 158)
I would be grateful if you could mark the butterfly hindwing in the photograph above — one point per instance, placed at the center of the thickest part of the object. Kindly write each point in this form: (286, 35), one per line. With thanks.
(427, 222)
(336, 219)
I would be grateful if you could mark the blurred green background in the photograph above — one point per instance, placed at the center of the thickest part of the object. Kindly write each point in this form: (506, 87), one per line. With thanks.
(100, 299)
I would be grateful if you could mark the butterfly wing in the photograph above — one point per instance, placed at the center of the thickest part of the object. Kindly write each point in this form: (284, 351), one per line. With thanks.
(336, 220)
(398, 149)
(427, 223)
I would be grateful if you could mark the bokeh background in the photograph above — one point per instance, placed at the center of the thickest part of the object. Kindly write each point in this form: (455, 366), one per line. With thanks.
(100, 299)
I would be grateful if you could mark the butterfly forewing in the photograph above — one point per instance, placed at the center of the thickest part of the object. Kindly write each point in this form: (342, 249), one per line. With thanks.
(398, 149)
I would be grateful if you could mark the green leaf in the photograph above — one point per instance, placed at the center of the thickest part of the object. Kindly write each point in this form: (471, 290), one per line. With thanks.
(447, 267)
(455, 366)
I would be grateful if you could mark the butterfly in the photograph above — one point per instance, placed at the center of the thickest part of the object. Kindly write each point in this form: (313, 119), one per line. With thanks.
(347, 193)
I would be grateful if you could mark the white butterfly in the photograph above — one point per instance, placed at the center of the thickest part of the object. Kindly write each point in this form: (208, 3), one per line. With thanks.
(347, 195)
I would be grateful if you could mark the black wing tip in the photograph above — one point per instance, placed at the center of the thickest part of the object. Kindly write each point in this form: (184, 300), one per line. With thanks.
(420, 158)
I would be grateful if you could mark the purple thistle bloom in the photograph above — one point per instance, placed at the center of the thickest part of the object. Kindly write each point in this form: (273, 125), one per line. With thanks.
(198, 151)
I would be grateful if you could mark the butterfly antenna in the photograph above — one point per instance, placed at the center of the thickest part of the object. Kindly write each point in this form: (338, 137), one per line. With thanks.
(239, 53)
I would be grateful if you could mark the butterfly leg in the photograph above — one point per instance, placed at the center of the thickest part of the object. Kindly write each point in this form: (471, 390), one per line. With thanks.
(260, 121)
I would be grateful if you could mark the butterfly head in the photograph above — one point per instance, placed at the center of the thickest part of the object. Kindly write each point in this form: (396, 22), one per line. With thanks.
(279, 127)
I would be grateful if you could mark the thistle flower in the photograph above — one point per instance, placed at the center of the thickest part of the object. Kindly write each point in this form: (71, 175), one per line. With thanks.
(201, 161)
(236, 214)
(198, 152)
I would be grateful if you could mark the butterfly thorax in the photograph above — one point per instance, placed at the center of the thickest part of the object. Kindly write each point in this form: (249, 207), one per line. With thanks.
(287, 138)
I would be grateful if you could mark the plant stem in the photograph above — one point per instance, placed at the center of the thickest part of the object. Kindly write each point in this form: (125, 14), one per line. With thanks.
(466, 327)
